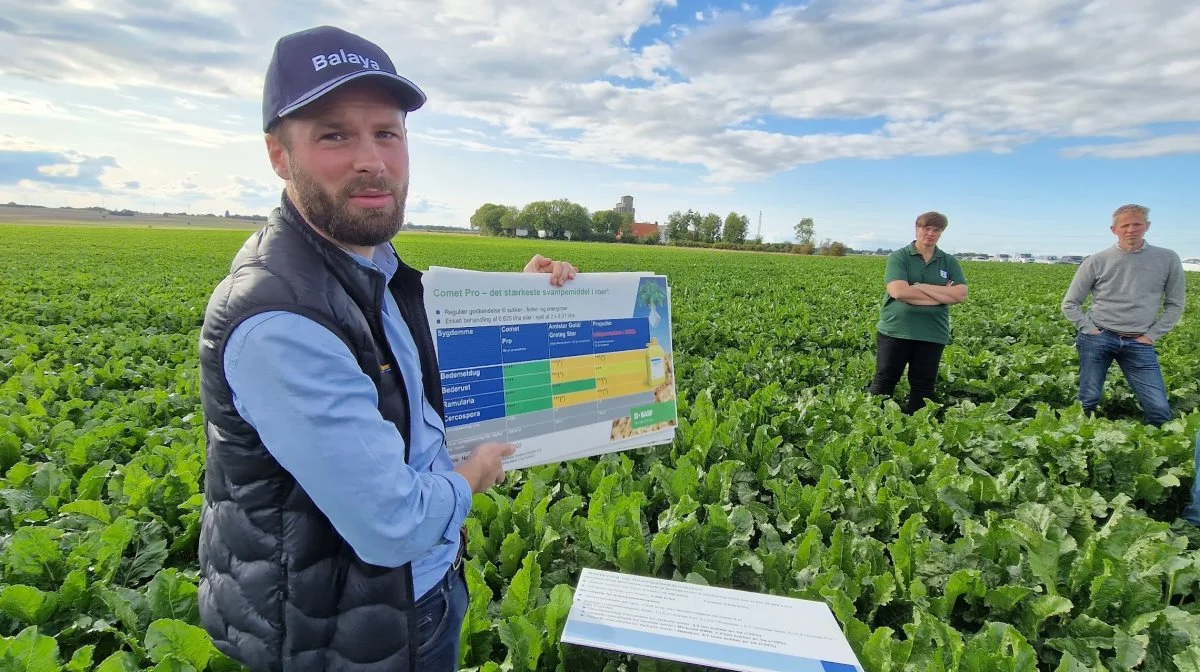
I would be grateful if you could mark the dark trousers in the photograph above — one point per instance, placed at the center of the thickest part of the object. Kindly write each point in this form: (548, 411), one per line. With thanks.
(440, 615)
(922, 359)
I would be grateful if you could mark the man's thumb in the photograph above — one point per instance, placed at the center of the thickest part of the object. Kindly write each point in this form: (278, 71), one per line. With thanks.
(509, 449)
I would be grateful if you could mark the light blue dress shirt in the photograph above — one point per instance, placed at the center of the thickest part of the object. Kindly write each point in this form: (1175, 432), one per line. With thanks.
(317, 413)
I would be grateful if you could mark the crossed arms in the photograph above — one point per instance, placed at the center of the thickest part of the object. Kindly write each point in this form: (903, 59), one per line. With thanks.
(927, 295)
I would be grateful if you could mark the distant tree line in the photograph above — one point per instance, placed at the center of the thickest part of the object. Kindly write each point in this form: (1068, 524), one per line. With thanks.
(692, 229)
(560, 218)
(433, 228)
(564, 219)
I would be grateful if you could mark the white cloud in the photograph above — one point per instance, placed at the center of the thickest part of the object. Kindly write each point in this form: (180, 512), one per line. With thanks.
(60, 170)
(742, 94)
(445, 140)
(1183, 143)
(28, 106)
(17, 143)
(667, 187)
(244, 190)
(170, 130)
(419, 203)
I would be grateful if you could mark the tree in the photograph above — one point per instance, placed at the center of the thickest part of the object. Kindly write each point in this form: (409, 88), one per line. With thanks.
(736, 227)
(535, 216)
(510, 221)
(709, 228)
(833, 249)
(677, 226)
(694, 218)
(486, 219)
(805, 230)
(608, 221)
(570, 218)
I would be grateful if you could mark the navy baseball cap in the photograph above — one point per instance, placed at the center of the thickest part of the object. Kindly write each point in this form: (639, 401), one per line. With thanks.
(309, 64)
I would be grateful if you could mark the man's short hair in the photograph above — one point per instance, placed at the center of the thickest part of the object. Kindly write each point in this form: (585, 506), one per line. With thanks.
(1132, 207)
(280, 131)
(935, 219)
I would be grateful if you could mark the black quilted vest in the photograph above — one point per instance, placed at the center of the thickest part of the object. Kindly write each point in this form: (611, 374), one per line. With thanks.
(281, 590)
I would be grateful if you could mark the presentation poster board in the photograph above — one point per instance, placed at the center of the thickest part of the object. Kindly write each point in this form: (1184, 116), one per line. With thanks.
(563, 372)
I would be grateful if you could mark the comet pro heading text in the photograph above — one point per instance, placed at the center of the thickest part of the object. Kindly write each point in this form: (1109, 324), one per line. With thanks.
(553, 291)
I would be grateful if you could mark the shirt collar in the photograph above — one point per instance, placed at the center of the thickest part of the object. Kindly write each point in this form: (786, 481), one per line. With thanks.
(383, 261)
(912, 250)
(1137, 251)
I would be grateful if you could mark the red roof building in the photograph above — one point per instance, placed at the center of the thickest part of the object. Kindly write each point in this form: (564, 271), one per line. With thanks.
(644, 229)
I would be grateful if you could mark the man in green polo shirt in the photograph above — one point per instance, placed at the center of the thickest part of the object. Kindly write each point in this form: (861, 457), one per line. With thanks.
(914, 323)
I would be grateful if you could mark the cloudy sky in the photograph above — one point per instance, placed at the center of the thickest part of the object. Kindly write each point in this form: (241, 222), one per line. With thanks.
(1026, 121)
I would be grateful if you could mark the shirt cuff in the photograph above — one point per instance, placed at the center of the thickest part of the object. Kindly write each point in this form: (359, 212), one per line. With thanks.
(462, 504)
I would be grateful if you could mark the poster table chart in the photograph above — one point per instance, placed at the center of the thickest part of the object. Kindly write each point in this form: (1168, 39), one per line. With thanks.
(517, 381)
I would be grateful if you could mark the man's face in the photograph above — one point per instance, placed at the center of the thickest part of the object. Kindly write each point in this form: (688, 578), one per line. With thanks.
(346, 160)
(928, 235)
(1130, 228)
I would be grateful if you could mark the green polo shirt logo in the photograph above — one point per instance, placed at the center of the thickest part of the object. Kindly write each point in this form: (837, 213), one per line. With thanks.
(922, 323)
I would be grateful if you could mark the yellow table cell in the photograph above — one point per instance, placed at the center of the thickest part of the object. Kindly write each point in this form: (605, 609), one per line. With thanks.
(621, 369)
(622, 389)
(576, 371)
(570, 375)
(620, 357)
(587, 362)
(621, 379)
(564, 400)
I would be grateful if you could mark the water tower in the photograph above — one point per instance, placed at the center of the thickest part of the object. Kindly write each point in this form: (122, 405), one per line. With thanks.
(625, 207)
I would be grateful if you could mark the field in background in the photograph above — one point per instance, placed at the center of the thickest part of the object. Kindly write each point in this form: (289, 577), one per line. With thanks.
(27, 216)
(1003, 532)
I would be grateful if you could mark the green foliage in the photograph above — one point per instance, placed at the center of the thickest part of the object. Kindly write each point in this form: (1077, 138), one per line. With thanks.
(1003, 531)
(805, 230)
(491, 219)
(735, 228)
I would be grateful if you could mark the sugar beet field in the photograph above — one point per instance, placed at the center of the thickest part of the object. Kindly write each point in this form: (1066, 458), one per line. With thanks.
(1004, 532)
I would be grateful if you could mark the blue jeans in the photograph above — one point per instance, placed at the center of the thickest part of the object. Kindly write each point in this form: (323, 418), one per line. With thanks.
(1192, 512)
(1139, 363)
(440, 614)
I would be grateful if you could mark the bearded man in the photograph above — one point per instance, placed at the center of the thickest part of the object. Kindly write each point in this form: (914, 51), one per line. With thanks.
(331, 536)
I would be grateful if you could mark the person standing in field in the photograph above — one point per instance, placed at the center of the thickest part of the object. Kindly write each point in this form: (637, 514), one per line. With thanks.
(331, 533)
(1192, 512)
(922, 282)
(1128, 282)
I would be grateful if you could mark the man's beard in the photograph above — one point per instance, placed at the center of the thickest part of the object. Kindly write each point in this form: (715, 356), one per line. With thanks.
(343, 223)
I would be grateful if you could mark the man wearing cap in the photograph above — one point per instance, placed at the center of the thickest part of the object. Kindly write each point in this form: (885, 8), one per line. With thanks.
(331, 536)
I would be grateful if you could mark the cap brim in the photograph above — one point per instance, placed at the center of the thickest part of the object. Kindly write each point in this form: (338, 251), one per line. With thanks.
(407, 94)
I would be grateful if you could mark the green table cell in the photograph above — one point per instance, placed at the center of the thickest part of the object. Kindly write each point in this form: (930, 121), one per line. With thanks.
(529, 406)
(575, 386)
(527, 368)
(527, 393)
(530, 380)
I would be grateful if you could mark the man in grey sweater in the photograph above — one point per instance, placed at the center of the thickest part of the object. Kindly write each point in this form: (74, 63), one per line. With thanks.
(1128, 282)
